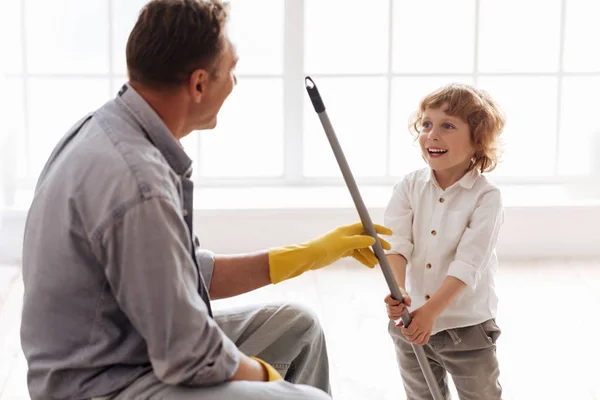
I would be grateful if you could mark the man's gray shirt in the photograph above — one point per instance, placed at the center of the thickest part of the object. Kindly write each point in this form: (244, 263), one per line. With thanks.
(114, 282)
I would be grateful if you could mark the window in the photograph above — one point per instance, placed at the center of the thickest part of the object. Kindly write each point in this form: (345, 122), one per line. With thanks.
(372, 61)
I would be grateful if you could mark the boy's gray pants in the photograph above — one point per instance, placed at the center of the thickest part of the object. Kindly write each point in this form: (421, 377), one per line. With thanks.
(468, 354)
(288, 337)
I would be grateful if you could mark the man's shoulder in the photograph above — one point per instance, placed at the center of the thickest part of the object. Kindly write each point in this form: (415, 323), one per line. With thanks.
(141, 158)
(128, 154)
(107, 166)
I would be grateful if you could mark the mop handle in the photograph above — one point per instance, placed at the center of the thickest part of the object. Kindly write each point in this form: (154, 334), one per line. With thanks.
(319, 106)
(365, 218)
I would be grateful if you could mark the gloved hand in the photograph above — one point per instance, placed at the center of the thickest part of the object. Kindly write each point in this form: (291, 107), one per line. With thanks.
(349, 240)
(272, 373)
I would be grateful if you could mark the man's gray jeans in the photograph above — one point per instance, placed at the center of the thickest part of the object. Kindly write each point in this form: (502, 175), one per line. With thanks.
(288, 337)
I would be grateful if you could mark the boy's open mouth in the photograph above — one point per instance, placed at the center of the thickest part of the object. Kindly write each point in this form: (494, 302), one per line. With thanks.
(436, 152)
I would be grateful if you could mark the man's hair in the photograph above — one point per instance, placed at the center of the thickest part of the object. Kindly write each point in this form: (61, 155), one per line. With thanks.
(172, 38)
(475, 107)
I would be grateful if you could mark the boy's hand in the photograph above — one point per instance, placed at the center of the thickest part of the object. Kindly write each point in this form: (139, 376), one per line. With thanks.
(395, 309)
(419, 330)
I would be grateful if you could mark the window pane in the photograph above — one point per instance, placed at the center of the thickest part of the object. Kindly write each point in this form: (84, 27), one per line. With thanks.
(124, 16)
(10, 37)
(55, 105)
(13, 123)
(519, 35)
(582, 36)
(529, 137)
(346, 36)
(418, 33)
(117, 83)
(67, 36)
(357, 108)
(248, 141)
(259, 44)
(580, 105)
(406, 96)
(16, 125)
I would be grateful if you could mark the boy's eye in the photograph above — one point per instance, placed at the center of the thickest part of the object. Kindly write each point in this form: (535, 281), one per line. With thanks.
(448, 126)
(426, 125)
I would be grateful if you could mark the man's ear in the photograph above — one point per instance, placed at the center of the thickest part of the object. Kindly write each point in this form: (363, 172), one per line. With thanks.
(198, 83)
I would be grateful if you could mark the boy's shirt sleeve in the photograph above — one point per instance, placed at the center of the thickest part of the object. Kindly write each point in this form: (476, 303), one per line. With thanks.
(479, 239)
(398, 216)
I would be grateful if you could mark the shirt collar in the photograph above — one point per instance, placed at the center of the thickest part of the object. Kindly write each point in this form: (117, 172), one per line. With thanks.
(155, 128)
(467, 181)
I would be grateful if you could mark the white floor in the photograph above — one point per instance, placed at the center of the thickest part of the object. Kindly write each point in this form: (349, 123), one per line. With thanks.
(549, 348)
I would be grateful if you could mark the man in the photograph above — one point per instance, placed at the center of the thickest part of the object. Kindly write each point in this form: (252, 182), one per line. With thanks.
(117, 291)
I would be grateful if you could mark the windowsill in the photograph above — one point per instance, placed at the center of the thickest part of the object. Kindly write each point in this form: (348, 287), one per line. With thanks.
(338, 197)
(229, 219)
(551, 195)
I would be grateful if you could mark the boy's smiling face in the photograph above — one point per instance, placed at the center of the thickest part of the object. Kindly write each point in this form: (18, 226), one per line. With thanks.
(445, 141)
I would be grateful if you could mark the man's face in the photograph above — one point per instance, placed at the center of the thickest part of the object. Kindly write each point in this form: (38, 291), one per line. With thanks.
(218, 88)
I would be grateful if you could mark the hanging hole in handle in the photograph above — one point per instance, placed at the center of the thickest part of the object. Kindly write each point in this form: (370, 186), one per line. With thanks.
(314, 95)
(310, 84)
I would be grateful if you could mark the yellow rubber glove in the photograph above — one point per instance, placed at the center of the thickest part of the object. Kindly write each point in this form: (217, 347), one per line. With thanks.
(271, 372)
(349, 240)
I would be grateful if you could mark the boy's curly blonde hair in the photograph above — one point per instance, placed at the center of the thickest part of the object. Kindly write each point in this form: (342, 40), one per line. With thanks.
(474, 106)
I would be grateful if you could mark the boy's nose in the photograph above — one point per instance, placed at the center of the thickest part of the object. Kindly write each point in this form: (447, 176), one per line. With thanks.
(433, 135)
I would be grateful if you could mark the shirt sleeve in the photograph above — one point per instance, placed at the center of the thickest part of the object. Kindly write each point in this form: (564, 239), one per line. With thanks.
(154, 280)
(398, 216)
(479, 239)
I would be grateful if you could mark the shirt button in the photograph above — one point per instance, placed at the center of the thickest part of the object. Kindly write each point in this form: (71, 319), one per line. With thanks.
(442, 200)
(428, 266)
(433, 232)
(185, 212)
(427, 297)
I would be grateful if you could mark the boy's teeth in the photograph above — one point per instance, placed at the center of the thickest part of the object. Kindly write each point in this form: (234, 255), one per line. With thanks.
(439, 151)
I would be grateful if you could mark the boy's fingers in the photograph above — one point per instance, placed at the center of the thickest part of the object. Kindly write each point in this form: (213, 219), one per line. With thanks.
(426, 339)
(418, 337)
(412, 329)
(391, 301)
(408, 335)
(396, 312)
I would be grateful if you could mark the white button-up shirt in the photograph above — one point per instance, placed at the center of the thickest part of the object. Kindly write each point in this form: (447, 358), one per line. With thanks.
(450, 232)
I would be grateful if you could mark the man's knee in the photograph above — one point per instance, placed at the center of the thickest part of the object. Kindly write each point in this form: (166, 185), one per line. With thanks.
(303, 319)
